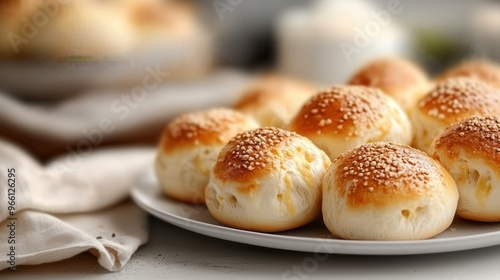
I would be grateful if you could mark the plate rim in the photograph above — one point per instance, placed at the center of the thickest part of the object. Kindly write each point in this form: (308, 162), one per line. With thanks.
(322, 245)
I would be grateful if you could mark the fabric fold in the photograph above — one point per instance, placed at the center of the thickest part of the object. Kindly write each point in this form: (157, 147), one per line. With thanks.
(65, 208)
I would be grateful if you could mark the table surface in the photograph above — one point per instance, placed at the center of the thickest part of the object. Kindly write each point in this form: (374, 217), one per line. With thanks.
(175, 253)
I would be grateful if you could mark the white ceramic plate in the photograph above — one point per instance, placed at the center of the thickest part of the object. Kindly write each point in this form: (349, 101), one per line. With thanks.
(315, 238)
(56, 80)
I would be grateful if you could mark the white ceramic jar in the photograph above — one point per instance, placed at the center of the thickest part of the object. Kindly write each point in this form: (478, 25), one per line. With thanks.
(327, 42)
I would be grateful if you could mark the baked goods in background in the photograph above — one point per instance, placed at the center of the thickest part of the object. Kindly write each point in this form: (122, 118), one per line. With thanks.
(484, 70)
(132, 33)
(273, 100)
(95, 30)
(345, 117)
(387, 191)
(172, 30)
(451, 101)
(401, 79)
(82, 31)
(11, 13)
(470, 151)
(79, 46)
(161, 19)
(189, 147)
(267, 180)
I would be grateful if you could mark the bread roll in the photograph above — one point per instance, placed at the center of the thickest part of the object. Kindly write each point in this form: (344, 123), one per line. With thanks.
(479, 69)
(13, 17)
(171, 33)
(160, 20)
(399, 78)
(106, 32)
(345, 117)
(273, 100)
(267, 180)
(189, 147)
(451, 101)
(82, 30)
(470, 151)
(387, 191)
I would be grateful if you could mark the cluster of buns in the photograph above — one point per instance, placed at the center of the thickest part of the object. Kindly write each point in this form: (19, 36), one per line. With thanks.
(344, 152)
(92, 29)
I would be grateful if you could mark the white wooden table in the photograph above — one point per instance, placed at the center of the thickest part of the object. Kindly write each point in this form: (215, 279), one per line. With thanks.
(174, 253)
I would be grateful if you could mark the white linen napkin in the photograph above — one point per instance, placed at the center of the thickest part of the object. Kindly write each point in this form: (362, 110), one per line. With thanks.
(81, 192)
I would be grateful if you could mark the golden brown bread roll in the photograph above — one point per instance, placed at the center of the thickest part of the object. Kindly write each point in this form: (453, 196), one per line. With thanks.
(479, 69)
(89, 30)
(401, 79)
(267, 180)
(189, 147)
(451, 101)
(470, 151)
(344, 117)
(96, 30)
(13, 27)
(161, 20)
(273, 100)
(387, 191)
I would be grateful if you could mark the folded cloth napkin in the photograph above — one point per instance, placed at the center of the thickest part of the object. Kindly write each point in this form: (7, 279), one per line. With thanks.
(64, 208)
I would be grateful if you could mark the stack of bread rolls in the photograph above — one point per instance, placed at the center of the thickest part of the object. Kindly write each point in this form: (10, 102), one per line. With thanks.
(391, 155)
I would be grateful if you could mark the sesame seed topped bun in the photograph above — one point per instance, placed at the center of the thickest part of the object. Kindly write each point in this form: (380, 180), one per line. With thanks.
(267, 180)
(387, 191)
(401, 79)
(451, 101)
(470, 151)
(273, 100)
(344, 117)
(189, 147)
(479, 69)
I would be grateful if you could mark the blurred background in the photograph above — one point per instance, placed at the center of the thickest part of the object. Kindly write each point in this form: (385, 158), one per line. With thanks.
(81, 75)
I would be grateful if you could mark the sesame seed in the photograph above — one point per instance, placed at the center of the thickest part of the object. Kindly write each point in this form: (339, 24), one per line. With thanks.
(386, 165)
(483, 130)
(480, 69)
(344, 106)
(460, 96)
(191, 125)
(243, 154)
